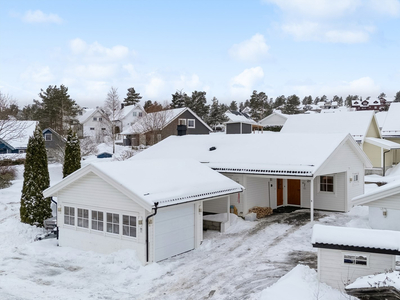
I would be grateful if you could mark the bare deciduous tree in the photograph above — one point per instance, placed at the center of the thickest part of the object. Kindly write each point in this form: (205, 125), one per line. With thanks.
(10, 128)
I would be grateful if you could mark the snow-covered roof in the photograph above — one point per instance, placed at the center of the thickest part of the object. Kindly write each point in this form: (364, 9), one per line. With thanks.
(238, 118)
(128, 109)
(355, 123)
(385, 144)
(87, 113)
(26, 128)
(387, 190)
(268, 153)
(380, 118)
(166, 181)
(391, 127)
(274, 119)
(356, 237)
(375, 281)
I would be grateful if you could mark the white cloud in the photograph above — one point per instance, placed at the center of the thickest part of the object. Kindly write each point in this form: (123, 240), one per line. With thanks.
(188, 83)
(243, 84)
(385, 7)
(96, 51)
(250, 50)
(95, 71)
(155, 86)
(38, 16)
(38, 74)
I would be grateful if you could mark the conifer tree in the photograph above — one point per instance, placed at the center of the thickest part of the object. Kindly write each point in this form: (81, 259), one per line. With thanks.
(34, 207)
(132, 97)
(72, 159)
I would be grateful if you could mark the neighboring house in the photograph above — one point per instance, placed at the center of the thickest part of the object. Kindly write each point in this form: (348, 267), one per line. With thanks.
(344, 253)
(129, 115)
(391, 125)
(55, 144)
(305, 170)
(154, 207)
(380, 118)
(17, 142)
(91, 123)
(240, 123)
(154, 127)
(361, 125)
(375, 105)
(384, 206)
(276, 119)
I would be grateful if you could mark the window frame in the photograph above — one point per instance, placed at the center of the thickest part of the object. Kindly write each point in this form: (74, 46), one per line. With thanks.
(182, 122)
(140, 114)
(354, 257)
(326, 184)
(94, 119)
(82, 218)
(97, 220)
(134, 114)
(46, 135)
(69, 216)
(129, 226)
(91, 128)
(194, 123)
(113, 224)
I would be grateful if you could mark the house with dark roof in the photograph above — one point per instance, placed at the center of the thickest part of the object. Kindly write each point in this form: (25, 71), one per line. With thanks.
(16, 140)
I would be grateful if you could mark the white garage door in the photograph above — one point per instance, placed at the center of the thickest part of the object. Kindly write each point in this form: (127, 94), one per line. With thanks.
(174, 231)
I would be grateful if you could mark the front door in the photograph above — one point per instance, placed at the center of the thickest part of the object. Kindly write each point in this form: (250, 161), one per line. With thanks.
(293, 191)
(279, 192)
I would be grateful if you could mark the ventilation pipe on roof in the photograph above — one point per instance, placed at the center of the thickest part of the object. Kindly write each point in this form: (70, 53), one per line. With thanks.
(147, 230)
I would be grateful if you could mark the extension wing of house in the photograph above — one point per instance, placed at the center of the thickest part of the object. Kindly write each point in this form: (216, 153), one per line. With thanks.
(391, 124)
(152, 206)
(361, 125)
(129, 115)
(239, 123)
(275, 119)
(305, 170)
(154, 127)
(15, 135)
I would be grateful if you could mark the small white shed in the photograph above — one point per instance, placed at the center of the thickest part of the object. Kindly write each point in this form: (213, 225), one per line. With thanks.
(152, 206)
(384, 206)
(344, 254)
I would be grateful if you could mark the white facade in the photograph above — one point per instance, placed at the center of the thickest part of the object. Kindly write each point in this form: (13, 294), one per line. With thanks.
(335, 270)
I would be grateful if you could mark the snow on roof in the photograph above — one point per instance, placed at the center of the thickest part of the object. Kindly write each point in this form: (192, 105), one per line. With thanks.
(168, 181)
(355, 123)
(377, 281)
(86, 114)
(381, 117)
(389, 189)
(128, 109)
(385, 144)
(236, 118)
(267, 153)
(391, 127)
(356, 237)
(27, 130)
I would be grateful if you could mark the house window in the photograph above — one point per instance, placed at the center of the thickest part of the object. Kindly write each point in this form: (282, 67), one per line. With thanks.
(95, 119)
(69, 215)
(113, 223)
(159, 137)
(182, 122)
(83, 218)
(129, 226)
(91, 128)
(355, 177)
(21, 151)
(326, 184)
(100, 119)
(103, 128)
(134, 114)
(97, 220)
(140, 114)
(191, 123)
(352, 259)
(48, 137)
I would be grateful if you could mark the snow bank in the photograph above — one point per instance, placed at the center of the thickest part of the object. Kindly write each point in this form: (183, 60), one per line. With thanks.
(378, 280)
(301, 283)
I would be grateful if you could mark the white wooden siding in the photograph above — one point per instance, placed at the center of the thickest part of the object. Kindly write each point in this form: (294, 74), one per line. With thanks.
(218, 205)
(392, 202)
(334, 272)
(239, 198)
(378, 220)
(257, 192)
(335, 201)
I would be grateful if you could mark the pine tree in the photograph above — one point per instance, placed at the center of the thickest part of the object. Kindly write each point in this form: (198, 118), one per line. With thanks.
(397, 97)
(279, 101)
(198, 103)
(34, 207)
(180, 99)
(132, 97)
(233, 106)
(72, 159)
(291, 106)
(217, 113)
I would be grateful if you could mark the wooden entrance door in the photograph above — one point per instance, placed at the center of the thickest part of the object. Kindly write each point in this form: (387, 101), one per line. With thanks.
(279, 192)
(293, 191)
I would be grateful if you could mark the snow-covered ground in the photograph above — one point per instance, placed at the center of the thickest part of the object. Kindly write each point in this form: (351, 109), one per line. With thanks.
(271, 258)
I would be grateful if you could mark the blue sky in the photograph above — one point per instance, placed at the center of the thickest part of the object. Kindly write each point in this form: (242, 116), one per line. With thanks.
(226, 48)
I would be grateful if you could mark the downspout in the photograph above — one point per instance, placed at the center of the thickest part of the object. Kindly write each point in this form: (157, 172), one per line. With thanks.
(384, 162)
(147, 230)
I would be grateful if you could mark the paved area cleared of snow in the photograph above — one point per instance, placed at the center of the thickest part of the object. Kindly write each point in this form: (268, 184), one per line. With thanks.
(249, 261)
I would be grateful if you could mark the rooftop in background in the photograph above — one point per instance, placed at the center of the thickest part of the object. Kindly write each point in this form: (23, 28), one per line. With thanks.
(391, 126)
(27, 129)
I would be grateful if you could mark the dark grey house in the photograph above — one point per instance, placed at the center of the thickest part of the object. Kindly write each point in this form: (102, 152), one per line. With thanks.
(154, 127)
(55, 144)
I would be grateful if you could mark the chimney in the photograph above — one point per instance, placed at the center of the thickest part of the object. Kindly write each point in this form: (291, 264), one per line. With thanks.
(122, 105)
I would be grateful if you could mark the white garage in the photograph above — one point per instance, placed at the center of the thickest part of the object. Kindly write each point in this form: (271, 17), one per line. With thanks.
(137, 204)
(174, 231)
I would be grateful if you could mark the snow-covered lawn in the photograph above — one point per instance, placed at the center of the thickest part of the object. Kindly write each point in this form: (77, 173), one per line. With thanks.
(266, 259)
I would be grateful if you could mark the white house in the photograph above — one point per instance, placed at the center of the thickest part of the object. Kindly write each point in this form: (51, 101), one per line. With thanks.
(274, 119)
(305, 170)
(361, 125)
(152, 206)
(384, 206)
(129, 115)
(344, 253)
(391, 124)
(91, 121)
